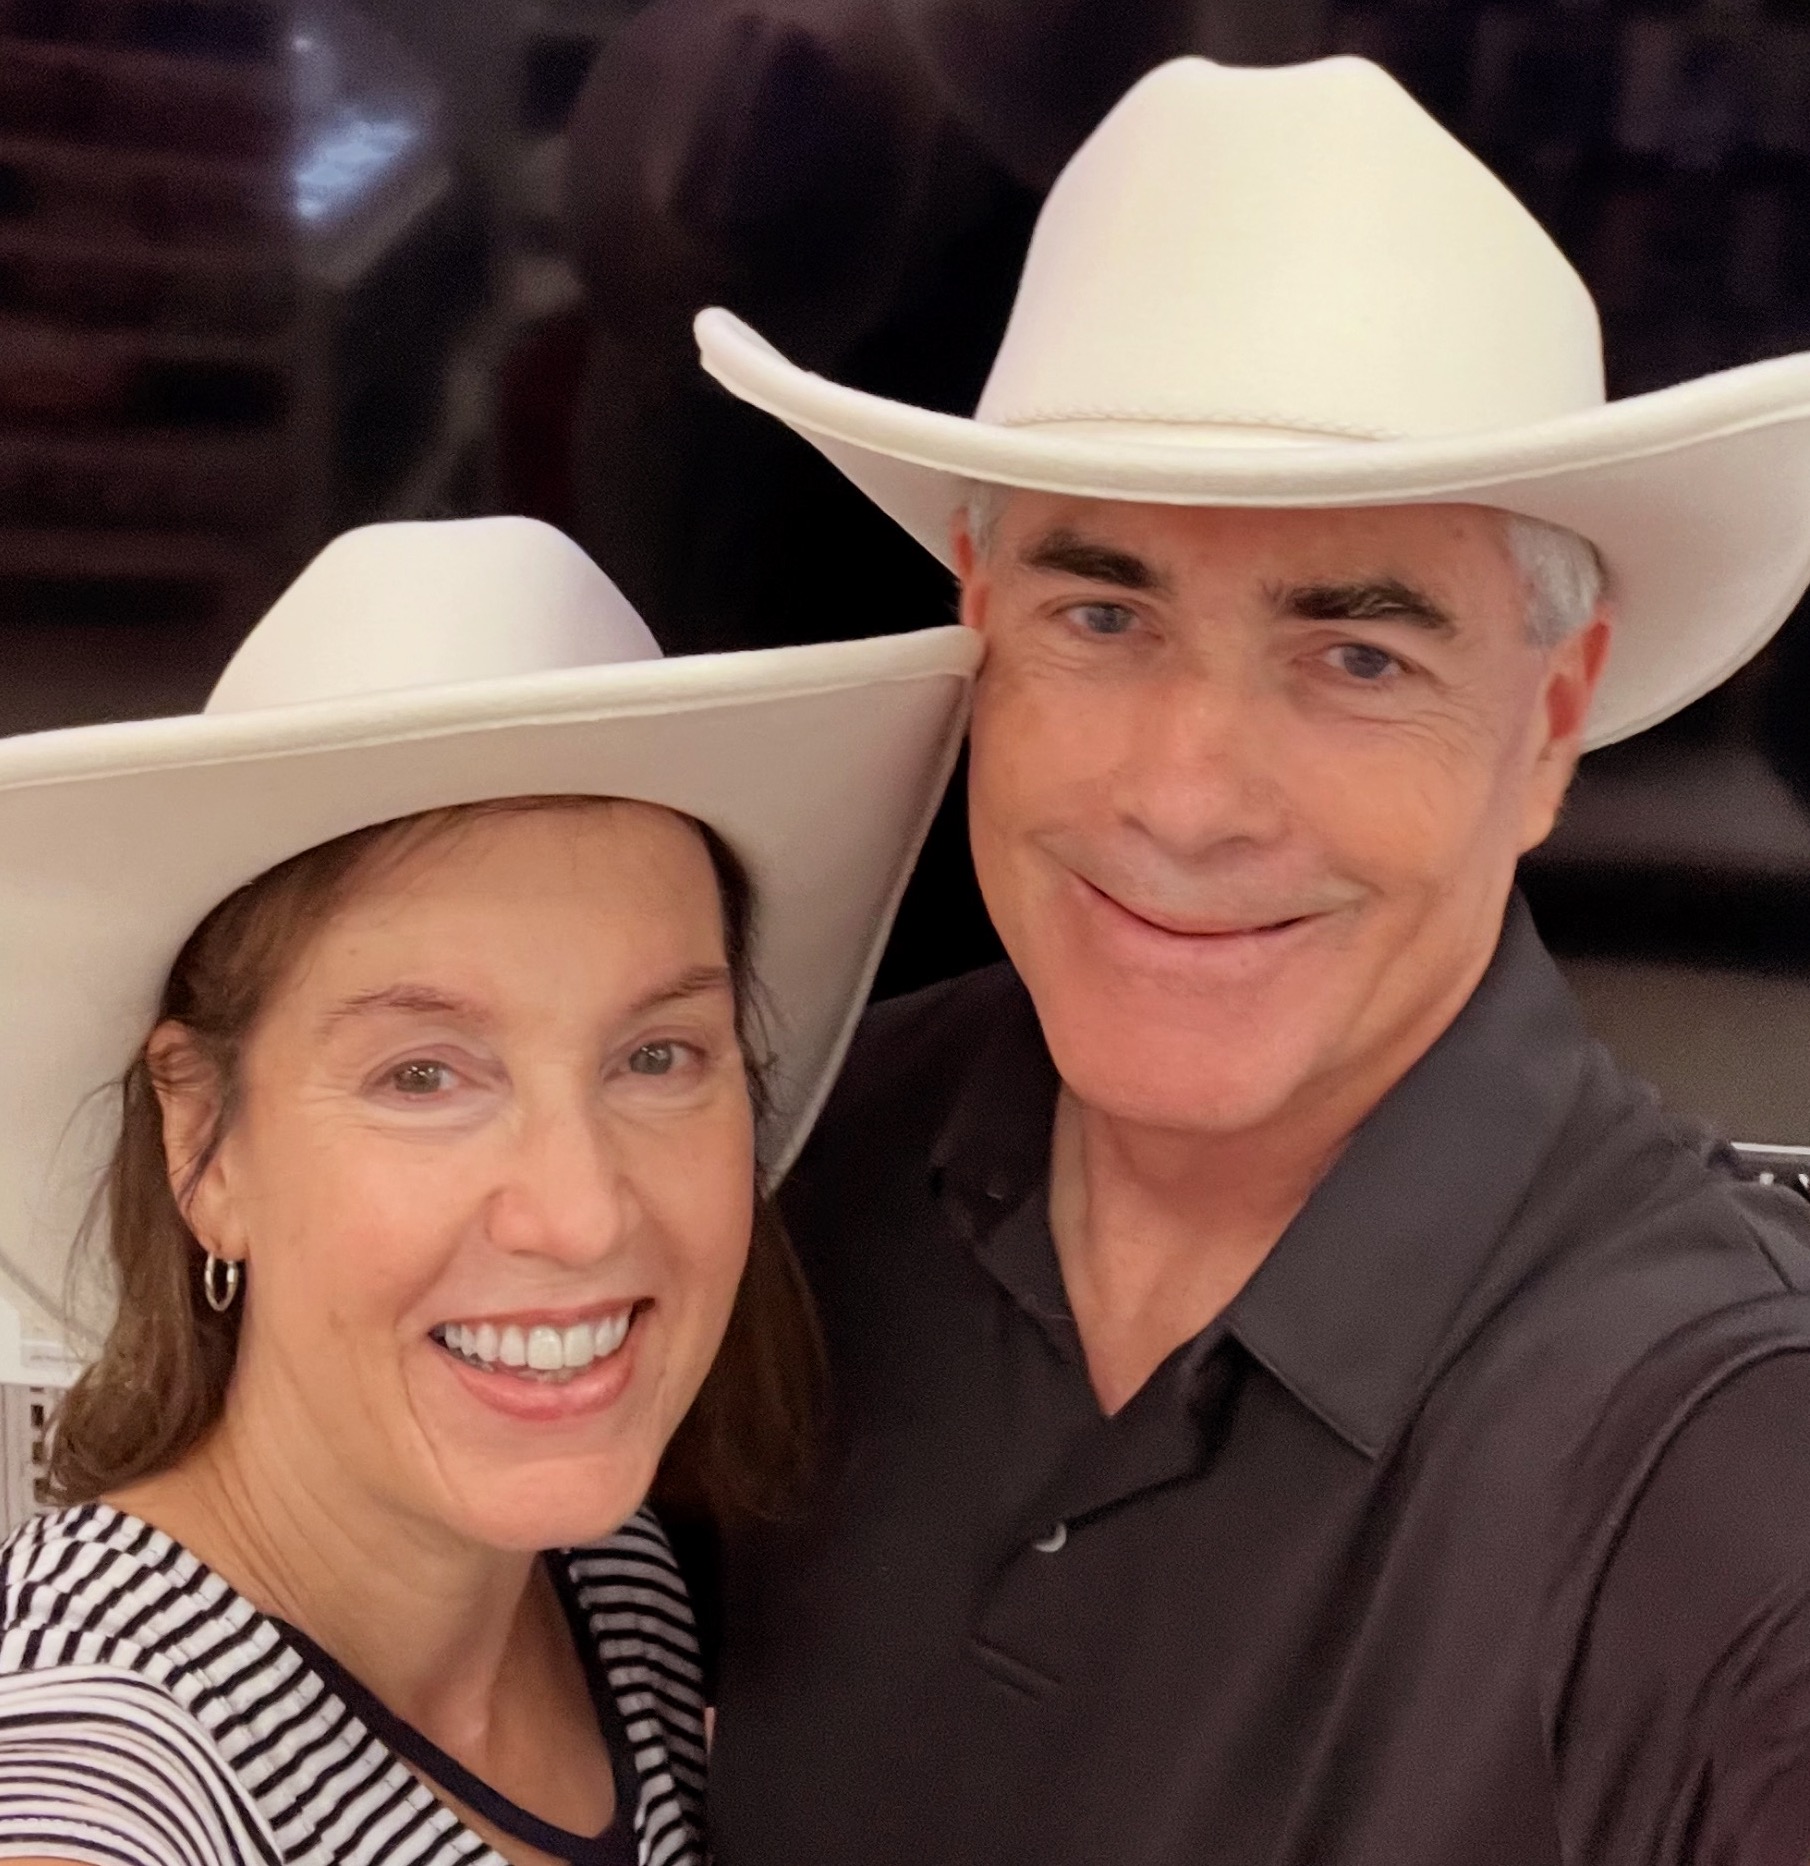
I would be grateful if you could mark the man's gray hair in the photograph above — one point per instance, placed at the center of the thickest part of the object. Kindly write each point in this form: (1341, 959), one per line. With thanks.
(1562, 573)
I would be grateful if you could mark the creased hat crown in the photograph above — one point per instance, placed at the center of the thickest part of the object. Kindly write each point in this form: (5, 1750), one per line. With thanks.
(397, 606)
(1300, 250)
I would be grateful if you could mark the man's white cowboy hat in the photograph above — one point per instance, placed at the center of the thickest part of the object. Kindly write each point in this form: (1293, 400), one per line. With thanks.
(1290, 287)
(411, 667)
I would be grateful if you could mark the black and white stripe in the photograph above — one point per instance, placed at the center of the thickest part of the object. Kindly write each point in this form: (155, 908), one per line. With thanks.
(151, 1716)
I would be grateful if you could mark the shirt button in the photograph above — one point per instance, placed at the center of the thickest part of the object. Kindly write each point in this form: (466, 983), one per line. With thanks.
(1052, 1544)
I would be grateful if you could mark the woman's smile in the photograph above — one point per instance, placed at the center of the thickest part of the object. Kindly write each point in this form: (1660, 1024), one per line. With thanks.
(542, 1348)
(576, 1388)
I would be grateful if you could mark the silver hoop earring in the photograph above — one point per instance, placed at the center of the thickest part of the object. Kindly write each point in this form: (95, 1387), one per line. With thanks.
(219, 1293)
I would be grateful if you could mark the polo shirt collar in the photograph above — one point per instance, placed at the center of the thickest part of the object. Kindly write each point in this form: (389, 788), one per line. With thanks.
(994, 1147)
(1350, 1309)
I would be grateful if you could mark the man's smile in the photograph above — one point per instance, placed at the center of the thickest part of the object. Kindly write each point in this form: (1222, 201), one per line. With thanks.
(1222, 929)
(1148, 935)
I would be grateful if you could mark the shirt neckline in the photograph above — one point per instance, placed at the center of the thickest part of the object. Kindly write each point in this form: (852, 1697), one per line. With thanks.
(613, 1845)
(1349, 1308)
(609, 1846)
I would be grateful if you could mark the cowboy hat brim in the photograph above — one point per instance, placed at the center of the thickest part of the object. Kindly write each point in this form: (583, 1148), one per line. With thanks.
(1697, 496)
(820, 766)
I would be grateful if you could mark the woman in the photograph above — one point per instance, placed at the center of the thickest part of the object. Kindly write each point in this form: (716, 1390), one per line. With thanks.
(428, 978)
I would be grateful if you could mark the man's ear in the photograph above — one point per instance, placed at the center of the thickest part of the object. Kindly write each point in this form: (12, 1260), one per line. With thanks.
(970, 573)
(190, 1097)
(961, 545)
(1572, 673)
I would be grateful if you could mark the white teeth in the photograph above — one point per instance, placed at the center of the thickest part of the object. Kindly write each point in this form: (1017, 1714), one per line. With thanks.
(542, 1349)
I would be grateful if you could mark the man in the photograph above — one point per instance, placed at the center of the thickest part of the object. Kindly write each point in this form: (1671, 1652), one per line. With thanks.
(1296, 1401)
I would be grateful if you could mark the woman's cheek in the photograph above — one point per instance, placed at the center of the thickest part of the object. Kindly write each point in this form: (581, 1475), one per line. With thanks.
(709, 1201)
(378, 1231)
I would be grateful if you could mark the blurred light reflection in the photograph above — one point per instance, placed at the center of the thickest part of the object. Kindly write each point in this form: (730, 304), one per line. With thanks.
(345, 160)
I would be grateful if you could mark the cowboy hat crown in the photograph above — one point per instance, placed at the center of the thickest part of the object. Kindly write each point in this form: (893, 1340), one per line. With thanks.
(1290, 287)
(392, 607)
(1264, 293)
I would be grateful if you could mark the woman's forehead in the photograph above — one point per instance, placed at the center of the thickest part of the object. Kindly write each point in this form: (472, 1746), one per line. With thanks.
(600, 895)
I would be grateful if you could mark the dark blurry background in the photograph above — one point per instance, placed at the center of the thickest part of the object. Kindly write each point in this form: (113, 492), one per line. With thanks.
(267, 270)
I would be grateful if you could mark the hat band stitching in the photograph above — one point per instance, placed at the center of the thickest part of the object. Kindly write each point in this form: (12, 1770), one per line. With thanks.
(1335, 430)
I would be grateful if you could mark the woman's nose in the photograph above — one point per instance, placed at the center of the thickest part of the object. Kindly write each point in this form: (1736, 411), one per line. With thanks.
(565, 1193)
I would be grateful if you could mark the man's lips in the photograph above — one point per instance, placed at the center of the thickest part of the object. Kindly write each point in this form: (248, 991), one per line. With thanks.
(1215, 931)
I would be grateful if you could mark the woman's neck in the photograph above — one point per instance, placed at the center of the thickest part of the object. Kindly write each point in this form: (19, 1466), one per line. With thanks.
(432, 1624)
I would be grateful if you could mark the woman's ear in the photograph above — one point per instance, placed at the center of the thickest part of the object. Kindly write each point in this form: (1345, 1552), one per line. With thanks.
(191, 1097)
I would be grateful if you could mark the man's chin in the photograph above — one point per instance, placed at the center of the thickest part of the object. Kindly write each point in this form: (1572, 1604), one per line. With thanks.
(1166, 1065)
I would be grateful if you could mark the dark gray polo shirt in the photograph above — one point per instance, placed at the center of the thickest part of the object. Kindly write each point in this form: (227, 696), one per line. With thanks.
(1475, 1533)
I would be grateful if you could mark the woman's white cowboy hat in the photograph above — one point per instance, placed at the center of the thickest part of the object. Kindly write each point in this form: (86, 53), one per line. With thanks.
(1290, 287)
(411, 667)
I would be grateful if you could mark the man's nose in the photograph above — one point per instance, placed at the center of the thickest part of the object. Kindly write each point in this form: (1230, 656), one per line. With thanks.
(564, 1194)
(1200, 765)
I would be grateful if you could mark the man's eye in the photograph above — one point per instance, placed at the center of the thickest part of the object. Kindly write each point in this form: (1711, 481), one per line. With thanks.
(420, 1077)
(1102, 618)
(1363, 662)
(654, 1059)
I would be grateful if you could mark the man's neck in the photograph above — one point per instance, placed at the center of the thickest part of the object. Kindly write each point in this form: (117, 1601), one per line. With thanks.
(1158, 1228)
(1156, 1231)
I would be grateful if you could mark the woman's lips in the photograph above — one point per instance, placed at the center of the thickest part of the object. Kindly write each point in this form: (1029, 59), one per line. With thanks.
(545, 1397)
(542, 1344)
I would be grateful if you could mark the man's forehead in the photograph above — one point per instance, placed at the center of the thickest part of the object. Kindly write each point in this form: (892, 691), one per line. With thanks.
(1426, 565)
(1154, 531)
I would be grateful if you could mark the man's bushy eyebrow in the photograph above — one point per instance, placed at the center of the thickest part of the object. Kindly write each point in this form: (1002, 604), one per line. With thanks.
(1068, 554)
(1364, 599)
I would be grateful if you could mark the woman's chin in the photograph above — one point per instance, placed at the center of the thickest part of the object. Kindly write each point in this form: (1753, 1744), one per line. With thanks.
(547, 1467)
(561, 1504)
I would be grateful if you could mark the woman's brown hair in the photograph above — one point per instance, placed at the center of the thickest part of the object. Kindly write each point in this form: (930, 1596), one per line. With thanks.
(160, 1381)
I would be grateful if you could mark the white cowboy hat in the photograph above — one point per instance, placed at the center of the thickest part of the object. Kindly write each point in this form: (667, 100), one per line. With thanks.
(411, 667)
(1290, 287)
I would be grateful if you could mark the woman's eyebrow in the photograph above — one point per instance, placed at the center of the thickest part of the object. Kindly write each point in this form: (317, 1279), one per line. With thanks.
(699, 981)
(1363, 599)
(410, 1000)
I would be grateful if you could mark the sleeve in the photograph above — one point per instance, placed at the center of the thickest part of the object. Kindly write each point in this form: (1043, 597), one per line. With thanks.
(107, 1770)
(1686, 1738)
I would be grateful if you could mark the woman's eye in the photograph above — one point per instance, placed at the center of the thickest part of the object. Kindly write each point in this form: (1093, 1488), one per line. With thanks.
(1102, 618)
(1363, 662)
(419, 1077)
(654, 1059)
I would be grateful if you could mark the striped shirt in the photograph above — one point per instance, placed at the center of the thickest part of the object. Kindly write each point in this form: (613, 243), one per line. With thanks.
(152, 1716)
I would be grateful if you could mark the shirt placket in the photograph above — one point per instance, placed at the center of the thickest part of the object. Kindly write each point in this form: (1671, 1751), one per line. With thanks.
(1047, 1590)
